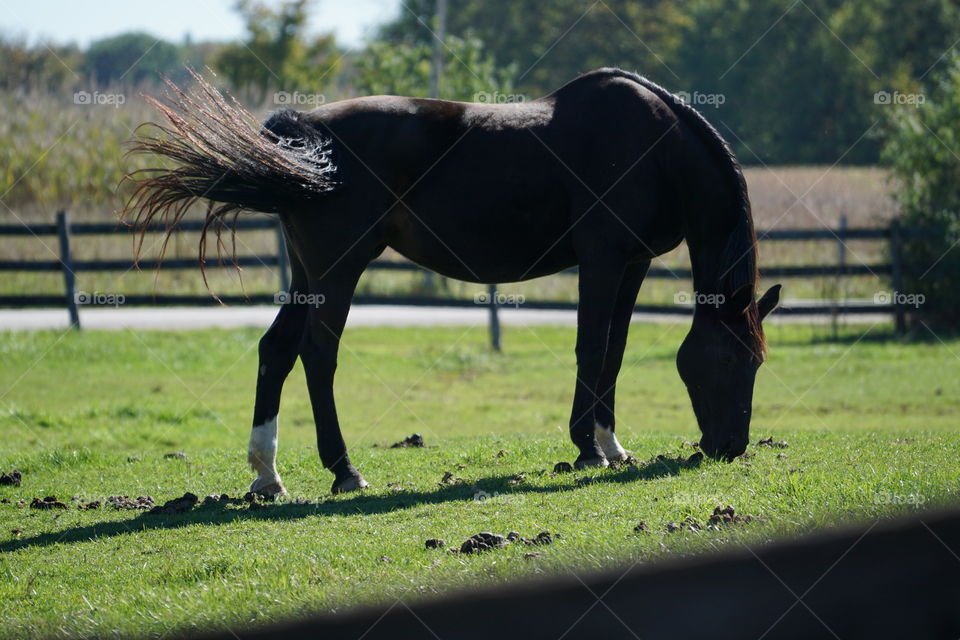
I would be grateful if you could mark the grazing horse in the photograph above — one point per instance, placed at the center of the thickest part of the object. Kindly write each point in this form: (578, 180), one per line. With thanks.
(604, 174)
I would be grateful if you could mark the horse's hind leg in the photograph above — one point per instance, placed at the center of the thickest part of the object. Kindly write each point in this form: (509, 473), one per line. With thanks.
(318, 352)
(616, 343)
(278, 352)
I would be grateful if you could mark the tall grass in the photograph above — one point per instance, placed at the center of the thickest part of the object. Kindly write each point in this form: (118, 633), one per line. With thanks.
(56, 154)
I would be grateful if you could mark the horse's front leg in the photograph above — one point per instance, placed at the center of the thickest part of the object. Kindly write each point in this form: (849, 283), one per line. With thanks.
(606, 390)
(328, 306)
(278, 353)
(599, 285)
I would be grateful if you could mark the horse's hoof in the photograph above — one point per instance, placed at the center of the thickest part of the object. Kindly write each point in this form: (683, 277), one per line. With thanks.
(353, 483)
(270, 489)
(584, 463)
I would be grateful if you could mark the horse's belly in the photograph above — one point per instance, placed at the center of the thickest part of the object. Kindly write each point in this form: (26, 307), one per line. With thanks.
(492, 236)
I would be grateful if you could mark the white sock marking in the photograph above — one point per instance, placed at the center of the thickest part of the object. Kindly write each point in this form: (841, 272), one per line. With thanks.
(607, 440)
(262, 452)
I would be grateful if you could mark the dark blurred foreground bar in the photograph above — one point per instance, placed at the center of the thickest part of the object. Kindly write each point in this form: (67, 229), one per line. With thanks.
(893, 579)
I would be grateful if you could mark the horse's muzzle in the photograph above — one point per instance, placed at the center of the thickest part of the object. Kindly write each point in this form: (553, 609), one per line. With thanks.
(726, 451)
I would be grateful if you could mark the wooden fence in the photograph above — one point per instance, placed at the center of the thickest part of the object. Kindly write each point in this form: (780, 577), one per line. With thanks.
(69, 267)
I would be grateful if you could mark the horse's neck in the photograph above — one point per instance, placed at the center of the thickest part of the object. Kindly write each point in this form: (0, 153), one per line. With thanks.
(722, 257)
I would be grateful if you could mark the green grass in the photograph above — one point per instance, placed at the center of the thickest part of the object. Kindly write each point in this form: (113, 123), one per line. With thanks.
(871, 425)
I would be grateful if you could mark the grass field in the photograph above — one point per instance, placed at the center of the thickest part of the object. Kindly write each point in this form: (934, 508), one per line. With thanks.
(870, 422)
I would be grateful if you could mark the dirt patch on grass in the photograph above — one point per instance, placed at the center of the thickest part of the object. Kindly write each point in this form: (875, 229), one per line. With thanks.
(626, 463)
(544, 537)
(681, 462)
(178, 505)
(483, 541)
(126, 503)
(413, 441)
(449, 479)
(687, 524)
(486, 541)
(769, 442)
(13, 478)
(727, 515)
(220, 498)
(50, 502)
(721, 517)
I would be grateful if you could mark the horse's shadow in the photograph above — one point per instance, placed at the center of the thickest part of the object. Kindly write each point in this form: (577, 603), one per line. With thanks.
(363, 504)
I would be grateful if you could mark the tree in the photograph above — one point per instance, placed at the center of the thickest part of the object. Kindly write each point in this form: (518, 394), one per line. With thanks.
(131, 58)
(552, 41)
(923, 149)
(797, 79)
(277, 54)
(43, 66)
(793, 92)
(404, 69)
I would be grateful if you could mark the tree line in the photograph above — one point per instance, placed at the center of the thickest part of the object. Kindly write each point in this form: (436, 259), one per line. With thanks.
(788, 81)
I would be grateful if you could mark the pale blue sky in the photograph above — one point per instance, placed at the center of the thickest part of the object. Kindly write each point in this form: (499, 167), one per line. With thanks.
(82, 21)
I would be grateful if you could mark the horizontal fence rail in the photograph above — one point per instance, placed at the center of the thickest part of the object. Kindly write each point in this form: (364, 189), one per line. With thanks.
(69, 267)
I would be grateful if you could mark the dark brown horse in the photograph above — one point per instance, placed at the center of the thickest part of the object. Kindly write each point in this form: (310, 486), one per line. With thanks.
(606, 173)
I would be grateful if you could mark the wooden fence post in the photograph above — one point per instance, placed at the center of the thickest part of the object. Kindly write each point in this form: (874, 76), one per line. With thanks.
(69, 278)
(494, 317)
(896, 271)
(841, 274)
(283, 260)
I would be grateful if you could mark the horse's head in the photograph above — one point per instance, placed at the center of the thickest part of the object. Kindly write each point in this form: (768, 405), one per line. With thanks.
(718, 362)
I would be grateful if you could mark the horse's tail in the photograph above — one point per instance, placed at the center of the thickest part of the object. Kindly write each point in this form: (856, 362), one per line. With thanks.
(222, 154)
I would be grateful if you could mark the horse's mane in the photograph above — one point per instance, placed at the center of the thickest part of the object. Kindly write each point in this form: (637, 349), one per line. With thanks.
(739, 260)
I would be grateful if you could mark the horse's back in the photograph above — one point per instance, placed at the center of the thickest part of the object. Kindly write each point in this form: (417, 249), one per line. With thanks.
(490, 192)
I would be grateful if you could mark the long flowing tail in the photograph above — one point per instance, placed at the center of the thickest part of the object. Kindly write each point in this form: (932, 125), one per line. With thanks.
(222, 154)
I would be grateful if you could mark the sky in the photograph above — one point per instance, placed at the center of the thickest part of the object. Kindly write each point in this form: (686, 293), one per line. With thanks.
(83, 21)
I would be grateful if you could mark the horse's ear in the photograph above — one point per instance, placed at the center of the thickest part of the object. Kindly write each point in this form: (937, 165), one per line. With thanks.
(768, 301)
